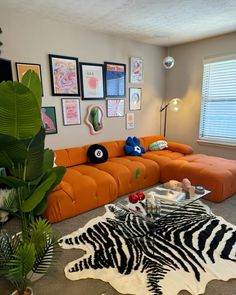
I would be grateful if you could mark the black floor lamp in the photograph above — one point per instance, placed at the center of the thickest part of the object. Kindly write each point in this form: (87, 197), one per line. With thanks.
(174, 105)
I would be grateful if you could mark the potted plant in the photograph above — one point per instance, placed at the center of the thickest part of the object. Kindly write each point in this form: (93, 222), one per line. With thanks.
(31, 177)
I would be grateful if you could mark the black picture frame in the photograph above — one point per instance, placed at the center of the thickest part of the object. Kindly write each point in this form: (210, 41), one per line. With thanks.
(92, 81)
(115, 79)
(71, 75)
(5, 70)
(71, 121)
(49, 120)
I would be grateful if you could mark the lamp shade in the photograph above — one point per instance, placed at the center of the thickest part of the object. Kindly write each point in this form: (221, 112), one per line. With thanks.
(175, 104)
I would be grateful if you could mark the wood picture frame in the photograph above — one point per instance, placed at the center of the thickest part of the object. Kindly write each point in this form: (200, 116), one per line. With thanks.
(115, 79)
(49, 120)
(64, 75)
(71, 111)
(92, 81)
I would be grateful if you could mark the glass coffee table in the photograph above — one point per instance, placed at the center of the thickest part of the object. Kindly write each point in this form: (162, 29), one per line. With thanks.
(167, 202)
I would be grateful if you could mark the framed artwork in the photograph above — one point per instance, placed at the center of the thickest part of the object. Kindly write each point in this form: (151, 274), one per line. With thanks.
(115, 79)
(49, 121)
(92, 81)
(94, 119)
(71, 111)
(135, 96)
(5, 70)
(130, 121)
(115, 108)
(64, 75)
(136, 70)
(21, 68)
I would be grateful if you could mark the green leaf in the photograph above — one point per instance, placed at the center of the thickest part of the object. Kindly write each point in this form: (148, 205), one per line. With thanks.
(48, 159)
(12, 181)
(22, 261)
(32, 81)
(41, 207)
(20, 115)
(35, 155)
(12, 151)
(36, 197)
(59, 171)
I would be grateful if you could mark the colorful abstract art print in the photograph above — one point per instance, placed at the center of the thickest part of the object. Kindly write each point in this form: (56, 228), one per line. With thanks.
(64, 75)
(92, 81)
(22, 68)
(48, 115)
(130, 121)
(71, 111)
(115, 79)
(135, 96)
(136, 70)
(115, 108)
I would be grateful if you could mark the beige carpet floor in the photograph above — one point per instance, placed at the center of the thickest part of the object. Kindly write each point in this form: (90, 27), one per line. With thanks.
(55, 283)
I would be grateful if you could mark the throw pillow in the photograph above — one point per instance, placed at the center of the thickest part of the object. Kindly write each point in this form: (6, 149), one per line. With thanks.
(158, 145)
(133, 147)
(97, 153)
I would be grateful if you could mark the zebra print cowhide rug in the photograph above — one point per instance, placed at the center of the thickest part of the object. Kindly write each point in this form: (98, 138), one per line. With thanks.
(184, 251)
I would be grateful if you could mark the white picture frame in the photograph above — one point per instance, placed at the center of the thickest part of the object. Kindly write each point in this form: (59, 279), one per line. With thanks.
(130, 121)
(135, 97)
(136, 70)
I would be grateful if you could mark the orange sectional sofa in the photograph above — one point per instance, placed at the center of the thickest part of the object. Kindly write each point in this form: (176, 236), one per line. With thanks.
(86, 186)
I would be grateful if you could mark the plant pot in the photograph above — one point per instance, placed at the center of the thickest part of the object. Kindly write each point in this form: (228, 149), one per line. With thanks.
(28, 291)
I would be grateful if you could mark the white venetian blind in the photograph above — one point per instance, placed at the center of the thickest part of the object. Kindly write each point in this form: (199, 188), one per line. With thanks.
(218, 109)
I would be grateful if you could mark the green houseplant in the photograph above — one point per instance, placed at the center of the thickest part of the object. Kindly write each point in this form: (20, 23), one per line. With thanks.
(31, 177)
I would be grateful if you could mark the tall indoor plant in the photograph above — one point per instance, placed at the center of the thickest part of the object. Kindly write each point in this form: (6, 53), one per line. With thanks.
(31, 176)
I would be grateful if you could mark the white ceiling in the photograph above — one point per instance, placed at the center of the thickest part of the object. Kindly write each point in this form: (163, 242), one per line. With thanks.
(160, 22)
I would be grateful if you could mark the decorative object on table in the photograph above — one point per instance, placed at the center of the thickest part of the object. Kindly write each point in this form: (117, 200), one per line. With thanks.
(49, 120)
(159, 193)
(132, 147)
(189, 248)
(92, 81)
(97, 153)
(168, 61)
(115, 79)
(22, 68)
(137, 203)
(64, 75)
(5, 70)
(135, 97)
(130, 121)
(94, 119)
(31, 177)
(199, 189)
(158, 145)
(71, 111)
(174, 105)
(115, 108)
(136, 70)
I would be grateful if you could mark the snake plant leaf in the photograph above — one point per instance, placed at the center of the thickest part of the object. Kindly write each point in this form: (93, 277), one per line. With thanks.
(12, 151)
(35, 155)
(19, 111)
(32, 81)
(39, 193)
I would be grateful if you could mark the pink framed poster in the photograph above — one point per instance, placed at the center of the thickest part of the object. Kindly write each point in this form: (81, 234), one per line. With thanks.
(71, 111)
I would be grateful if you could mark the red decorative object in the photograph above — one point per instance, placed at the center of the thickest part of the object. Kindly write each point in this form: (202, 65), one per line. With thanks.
(133, 198)
(141, 195)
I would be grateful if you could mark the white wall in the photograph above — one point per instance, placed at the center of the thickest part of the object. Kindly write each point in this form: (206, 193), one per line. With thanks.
(184, 80)
(29, 38)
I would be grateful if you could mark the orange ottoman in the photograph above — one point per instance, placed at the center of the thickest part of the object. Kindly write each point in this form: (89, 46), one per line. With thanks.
(216, 174)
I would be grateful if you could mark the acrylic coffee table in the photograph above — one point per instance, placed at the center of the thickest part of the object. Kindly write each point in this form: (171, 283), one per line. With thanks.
(167, 206)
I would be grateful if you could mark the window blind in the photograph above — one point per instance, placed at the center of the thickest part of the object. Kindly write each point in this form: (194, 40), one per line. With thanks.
(218, 108)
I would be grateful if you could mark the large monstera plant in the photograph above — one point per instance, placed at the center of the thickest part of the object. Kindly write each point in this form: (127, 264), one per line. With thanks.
(30, 176)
